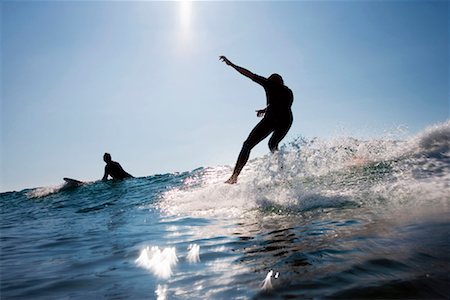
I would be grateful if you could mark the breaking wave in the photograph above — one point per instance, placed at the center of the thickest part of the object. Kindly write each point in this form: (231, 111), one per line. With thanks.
(318, 173)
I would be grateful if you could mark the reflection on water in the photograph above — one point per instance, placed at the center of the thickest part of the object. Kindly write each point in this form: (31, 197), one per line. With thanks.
(158, 261)
(194, 253)
(161, 292)
(335, 255)
(267, 284)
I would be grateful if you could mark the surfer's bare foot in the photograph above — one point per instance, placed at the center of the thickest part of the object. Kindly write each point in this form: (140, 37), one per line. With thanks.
(232, 180)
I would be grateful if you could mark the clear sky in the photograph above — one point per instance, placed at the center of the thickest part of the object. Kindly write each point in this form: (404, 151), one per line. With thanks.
(142, 80)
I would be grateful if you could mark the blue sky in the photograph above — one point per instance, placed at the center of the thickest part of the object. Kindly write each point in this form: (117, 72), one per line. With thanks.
(142, 80)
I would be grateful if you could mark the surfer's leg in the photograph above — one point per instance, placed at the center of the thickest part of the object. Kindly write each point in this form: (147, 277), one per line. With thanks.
(278, 134)
(260, 132)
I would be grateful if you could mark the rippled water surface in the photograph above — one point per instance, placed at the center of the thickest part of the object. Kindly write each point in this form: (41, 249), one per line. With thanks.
(320, 219)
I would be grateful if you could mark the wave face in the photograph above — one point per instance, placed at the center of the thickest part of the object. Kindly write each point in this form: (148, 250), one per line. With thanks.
(309, 174)
(337, 218)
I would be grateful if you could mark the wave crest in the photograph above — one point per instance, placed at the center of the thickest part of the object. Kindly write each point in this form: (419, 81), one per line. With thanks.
(310, 174)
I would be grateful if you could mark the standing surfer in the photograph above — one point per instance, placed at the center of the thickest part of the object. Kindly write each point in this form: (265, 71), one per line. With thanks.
(114, 169)
(277, 116)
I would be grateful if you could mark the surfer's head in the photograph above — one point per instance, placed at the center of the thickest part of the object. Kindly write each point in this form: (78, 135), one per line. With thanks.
(276, 78)
(107, 157)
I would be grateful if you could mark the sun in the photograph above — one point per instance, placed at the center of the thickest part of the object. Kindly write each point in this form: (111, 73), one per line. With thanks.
(185, 11)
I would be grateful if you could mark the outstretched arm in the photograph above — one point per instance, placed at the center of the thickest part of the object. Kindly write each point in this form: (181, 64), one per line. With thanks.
(105, 176)
(241, 70)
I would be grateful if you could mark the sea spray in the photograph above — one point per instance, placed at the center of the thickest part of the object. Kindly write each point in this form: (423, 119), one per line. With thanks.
(319, 173)
(44, 191)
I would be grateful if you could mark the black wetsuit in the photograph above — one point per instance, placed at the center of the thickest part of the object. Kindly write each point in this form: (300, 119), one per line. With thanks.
(115, 170)
(277, 118)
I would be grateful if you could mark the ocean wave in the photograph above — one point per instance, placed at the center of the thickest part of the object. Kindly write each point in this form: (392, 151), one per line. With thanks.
(306, 175)
(318, 173)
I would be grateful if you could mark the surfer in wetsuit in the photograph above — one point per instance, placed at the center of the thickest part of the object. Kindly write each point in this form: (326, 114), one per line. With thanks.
(114, 169)
(277, 116)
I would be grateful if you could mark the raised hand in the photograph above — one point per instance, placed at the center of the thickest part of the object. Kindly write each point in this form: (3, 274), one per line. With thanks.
(225, 60)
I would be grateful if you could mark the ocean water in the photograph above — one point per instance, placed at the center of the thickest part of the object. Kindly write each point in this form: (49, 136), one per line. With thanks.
(339, 218)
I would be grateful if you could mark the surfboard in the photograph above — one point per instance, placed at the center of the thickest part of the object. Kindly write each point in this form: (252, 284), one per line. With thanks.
(72, 182)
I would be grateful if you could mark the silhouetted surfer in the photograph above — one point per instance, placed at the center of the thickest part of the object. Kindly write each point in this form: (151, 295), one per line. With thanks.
(277, 116)
(114, 169)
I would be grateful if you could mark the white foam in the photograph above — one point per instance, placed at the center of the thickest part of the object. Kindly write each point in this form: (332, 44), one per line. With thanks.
(309, 174)
(44, 191)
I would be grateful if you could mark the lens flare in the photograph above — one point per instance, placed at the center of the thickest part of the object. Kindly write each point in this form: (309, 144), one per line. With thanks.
(185, 12)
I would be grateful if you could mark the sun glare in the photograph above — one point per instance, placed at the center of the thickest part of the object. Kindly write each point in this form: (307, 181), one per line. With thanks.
(185, 17)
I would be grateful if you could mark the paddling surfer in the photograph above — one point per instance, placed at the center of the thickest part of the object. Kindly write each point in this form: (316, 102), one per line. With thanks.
(114, 169)
(277, 116)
